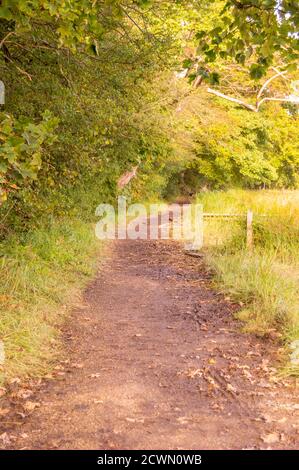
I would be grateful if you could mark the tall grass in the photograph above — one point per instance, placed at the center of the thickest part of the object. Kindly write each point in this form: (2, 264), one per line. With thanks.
(266, 279)
(42, 273)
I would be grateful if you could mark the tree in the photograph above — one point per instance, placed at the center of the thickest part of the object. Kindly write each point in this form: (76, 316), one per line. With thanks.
(254, 32)
(261, 96)
(98, 68)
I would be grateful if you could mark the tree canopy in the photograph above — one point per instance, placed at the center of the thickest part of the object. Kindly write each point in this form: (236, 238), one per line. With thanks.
(94, 88)
(256, 31)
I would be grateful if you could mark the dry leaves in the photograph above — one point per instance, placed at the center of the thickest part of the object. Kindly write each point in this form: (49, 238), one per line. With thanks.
(30, 405)
(4, 437)
(270, 438)
(24, 393)
(77, 365)
(230, 388)
(193, 373)
(135, 420)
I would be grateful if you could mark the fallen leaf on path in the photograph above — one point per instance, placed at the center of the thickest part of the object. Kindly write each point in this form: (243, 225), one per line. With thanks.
(211, 382)
(282, 420)
(263, 383)
(77, 365)
(270, 438)
(48, 376)
(253, 353)
(215, 406)
(5, 438)
(30, 405)
(204, 328)
(231, 389)
(135, 420)
(224, 330)
(194, 373)
(248, 376)
(15, 380)
(275, 380)
(183, 420)
(24, 393)
(162, 385)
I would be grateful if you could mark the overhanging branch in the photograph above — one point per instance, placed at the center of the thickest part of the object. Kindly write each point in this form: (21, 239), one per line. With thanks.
(259, 101)
(234, 100)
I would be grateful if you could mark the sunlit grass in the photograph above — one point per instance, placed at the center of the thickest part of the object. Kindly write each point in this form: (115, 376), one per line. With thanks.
(265, 279)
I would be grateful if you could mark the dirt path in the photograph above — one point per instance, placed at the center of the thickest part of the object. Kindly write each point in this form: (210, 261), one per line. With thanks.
(156, 362)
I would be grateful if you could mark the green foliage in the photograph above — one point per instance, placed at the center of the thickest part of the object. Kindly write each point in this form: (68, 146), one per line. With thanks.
(22, 147)
(98, 69)
(255, 30)
(75, 21)
(235, 147)
(100, 101)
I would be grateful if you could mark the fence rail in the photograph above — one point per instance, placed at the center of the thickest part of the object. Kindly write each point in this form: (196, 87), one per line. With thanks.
(249, 224)
(211, 214)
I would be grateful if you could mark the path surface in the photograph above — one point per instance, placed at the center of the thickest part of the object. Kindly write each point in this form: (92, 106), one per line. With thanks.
(157, 362)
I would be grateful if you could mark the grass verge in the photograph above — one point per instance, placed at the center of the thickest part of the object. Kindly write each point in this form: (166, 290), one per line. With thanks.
(265, 280)
(42, 273)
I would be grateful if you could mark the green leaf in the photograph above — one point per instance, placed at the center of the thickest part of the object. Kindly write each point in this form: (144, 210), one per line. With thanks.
(187, 63)
(6, 13)
(214, 78)
(257, 71)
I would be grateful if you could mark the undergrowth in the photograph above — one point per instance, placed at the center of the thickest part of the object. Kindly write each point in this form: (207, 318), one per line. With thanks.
(42, 274)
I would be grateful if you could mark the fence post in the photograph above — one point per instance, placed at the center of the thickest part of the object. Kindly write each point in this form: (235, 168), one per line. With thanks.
(249, 233)
(199, 229)
(2, 93)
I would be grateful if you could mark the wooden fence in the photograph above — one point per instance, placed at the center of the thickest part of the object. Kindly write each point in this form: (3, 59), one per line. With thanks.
(249, 223)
